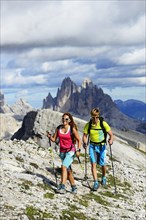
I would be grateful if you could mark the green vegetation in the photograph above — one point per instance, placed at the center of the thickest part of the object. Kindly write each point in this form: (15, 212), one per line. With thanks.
(34, 165)
(44, 186)
(72, 213)
(49, 195)
(83, 202)
(97, 198)
(8, 207)
(20, 159)
(110, 194)
(34, 214)
(26, 184)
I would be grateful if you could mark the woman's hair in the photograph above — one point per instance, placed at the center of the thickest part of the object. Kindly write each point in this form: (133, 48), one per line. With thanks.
(71, 123)
(95, 111)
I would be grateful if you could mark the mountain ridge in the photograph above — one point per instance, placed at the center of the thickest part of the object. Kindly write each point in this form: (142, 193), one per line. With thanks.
(79, 100)
(132, 108)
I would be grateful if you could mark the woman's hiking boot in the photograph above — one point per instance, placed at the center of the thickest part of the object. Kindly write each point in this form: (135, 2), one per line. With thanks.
(61, 189)
(74, 189)
(95, 186)
(103, 181)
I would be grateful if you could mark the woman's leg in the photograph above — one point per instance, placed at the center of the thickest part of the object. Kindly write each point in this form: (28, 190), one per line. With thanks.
(70, 177)
(63, 174)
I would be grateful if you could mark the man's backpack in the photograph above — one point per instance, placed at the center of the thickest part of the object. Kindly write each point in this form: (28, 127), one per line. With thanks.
(101, 119)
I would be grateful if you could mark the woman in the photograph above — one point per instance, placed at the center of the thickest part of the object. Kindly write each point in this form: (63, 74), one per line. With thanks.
(68, 136)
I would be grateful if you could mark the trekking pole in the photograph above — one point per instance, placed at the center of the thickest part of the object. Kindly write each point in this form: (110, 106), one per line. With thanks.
(85, 176)
(113, 169)
(54, 170)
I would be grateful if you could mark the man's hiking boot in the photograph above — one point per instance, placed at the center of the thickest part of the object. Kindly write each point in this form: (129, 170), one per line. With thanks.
(61, 189)
(95, 186)
(103, 181)
(74, 189)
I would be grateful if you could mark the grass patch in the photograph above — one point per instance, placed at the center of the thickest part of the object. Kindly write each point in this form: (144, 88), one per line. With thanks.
(83, 202)
(111, 195)
(75, 161)
(33, 214)
(26, 184)
(20, 159)
(34, 165)
(49, 195)
(97, 198)
(8, 207)
(72, 213)
(44, 186)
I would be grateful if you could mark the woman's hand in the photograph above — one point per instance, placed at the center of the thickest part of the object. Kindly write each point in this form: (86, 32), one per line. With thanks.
(48, 134)
(78, 152)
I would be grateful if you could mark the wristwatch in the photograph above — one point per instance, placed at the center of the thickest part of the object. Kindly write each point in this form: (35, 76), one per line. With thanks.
(79, 149)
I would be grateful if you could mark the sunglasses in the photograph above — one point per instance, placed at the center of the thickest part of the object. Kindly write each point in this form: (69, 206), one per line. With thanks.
(65, 119)
(95, 117)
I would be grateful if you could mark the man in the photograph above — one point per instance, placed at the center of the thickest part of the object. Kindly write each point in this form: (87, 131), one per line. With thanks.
(97, 129)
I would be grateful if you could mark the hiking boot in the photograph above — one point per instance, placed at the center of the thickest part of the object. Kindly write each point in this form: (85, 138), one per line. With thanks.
(103, 181)
(95, 186)
(61, 189)
(74, 189)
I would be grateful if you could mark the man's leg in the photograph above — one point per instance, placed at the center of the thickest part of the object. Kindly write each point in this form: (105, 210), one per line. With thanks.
(94, 172)
(103, 170)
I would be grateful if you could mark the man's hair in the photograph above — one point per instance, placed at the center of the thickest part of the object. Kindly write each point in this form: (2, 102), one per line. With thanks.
(95, 111)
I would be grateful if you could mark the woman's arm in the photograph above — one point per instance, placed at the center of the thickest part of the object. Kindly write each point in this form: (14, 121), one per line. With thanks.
(54, 137)
(76, 134)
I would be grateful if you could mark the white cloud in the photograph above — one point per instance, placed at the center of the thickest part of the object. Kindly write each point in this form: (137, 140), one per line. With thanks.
(133, 57)
(72, 23)
(15, 78)
(45, 41)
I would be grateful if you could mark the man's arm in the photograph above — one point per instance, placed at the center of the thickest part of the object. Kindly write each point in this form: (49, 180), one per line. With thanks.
(111, 138)
(85, 140)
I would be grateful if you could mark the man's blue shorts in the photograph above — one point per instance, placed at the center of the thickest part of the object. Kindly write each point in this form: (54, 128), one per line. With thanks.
(67, 158)
(97, 154)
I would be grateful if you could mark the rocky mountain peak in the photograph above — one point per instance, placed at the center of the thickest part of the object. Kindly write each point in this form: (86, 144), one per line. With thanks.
(87, 83)
(80, 100)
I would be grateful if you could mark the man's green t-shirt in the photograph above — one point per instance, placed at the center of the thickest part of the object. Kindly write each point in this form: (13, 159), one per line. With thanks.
(96, 135)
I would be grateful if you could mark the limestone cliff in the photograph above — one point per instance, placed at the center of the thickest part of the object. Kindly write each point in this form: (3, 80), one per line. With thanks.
(79, 100)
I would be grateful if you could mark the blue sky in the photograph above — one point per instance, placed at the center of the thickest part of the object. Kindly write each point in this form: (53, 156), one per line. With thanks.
(42, 42)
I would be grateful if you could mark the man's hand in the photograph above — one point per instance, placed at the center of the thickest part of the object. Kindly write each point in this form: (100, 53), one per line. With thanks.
(110, 142)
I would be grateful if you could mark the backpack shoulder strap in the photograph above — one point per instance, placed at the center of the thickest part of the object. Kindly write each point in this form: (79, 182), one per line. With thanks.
(59, 126)
(103, 128)
(89, 128)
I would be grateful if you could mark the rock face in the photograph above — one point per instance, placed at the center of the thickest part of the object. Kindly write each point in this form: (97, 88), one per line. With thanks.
(9, 125)
(80, 101)
(26, 131)
(35, 125)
